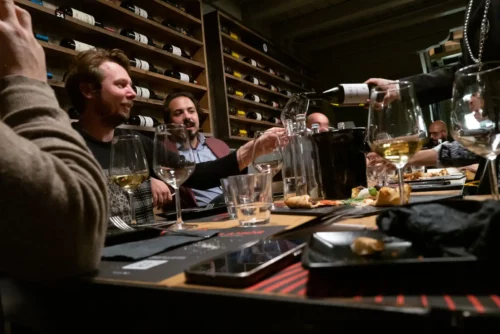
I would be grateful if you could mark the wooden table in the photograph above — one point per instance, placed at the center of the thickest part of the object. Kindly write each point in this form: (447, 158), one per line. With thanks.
(240, 309)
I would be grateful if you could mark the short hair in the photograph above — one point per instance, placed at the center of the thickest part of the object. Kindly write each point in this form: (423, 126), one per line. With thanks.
(85, 69)
(167, 113)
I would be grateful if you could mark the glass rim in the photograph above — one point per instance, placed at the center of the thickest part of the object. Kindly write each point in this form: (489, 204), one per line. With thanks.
(463, 71)
(127, 136)
(169, 126)
(405, 84)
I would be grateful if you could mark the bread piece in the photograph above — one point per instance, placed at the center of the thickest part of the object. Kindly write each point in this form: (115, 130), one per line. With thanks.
(300, 202)
(367, 246)
(388, 196)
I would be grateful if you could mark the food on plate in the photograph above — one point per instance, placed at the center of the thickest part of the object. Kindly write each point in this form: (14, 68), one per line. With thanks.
(360, 196)
(388, 196)
(305, 202)
(419, 175)
(367, 246)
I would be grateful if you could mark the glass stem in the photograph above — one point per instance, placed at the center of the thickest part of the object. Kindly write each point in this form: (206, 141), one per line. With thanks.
(493, 178)
(179, 221)
(401, 186)
(132, 208)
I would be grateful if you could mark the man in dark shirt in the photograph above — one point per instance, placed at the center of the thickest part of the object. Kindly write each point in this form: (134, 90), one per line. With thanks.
(100, 89)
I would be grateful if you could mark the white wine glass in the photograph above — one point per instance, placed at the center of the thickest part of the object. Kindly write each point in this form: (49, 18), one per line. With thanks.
(475, 113)
(298, 104)
(128, 167)
(173, 162)
(396, 129)
(267, 153)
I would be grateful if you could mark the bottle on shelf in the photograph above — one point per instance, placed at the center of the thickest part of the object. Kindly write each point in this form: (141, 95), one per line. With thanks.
(254, 115)
(229, 70)
(180, 76)
(269, 86)
(286, 92)
(135, 9)
(143, 65)
(250, 61)
(235, 111)
(75, 45)
(274, 120)
(137, 36)
(232, 91)
(146, 93)
(178, 6)
(80, 16)
(145, 121)
(252, 79)
(266, 68)
(177, 51)
(235, 131)
(272, 103)
(169, 24)
(253, 97)
(344, 94)
(226, 30)
(230, 52)
(284, 76)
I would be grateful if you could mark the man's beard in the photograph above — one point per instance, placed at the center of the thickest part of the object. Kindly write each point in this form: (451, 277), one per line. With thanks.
(110, 117)
(192, 134)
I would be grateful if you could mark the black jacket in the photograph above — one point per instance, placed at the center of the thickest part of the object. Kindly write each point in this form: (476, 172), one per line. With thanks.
(437, 85)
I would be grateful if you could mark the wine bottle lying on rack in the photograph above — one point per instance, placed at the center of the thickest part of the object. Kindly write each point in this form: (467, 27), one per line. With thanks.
(176, 51)
(180, 76)
(80, 16)
(146, 93)
(137, 36)
(286, 92)
(268, 86)
(252, 79)
(230, 52)
(253, 97)
(144, 65)
(254, 115)
(145, 121)
(274, 120)
(235, 111)
(232, 91)
(134, 9)
(344, 94)
(75, 45)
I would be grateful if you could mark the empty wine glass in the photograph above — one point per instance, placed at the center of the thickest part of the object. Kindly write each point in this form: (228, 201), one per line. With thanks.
(475, 113)
(396, 129)
(298, 104)
(173, 162)
(128, 166)
(267, 154)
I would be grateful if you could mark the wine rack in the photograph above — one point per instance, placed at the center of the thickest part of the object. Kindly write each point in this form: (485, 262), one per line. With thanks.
(179, 24)
(235, 52)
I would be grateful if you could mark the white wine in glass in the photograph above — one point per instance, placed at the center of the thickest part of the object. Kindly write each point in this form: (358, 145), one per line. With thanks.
(396, 129)
(173, 162)
(128, 167)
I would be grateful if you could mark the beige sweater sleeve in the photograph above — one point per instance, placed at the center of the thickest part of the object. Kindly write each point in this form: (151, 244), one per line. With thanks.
(53, 194)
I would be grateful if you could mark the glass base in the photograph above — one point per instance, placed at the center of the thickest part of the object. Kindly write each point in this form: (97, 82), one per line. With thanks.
(182, 227)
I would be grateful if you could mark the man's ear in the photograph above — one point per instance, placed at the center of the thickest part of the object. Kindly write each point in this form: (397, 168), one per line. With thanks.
(88, 90)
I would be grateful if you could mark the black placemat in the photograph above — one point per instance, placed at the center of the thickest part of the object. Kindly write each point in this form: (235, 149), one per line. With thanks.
(282, 209)
(162, 266)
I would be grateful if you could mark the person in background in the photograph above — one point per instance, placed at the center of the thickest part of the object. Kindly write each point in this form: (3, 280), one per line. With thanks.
(480, 20)
(99, 86)
(437, 134)
(54, 201)
(184, 108)
(320, 119)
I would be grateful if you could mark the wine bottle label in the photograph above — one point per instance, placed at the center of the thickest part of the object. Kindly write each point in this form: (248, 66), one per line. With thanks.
(258, 116)
(243, 133)
(142, 64)
(148, 121)
(287, 78)
(255, 81)
(184, 77)
(270, 70)
(287, 93)
(237, 74)
(238, 93)
(142, 121)
(143, 92)
(235, 55)
(233, 35)
(274, 104)
(84, 17)
(240, 113)
(256, 98)
(253, 62)
(264, 47)
(355, 93)
(176, 51)
(141, 12)
(80, 46)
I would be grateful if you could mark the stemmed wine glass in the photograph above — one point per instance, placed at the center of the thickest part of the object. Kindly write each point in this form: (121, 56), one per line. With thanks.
(271, 161)
(128, 166)
(173, 162)
(396, 129)
(298, 104)
(475, 113)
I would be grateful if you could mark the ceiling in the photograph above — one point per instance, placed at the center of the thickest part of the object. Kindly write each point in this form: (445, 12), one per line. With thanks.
(366, 34)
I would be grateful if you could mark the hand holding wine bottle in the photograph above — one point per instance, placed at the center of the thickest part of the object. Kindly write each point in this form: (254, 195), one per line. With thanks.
(389, 97)
(21, 53)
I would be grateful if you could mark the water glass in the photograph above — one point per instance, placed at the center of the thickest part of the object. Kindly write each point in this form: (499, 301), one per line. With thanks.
(252, 198)
(227, 198)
